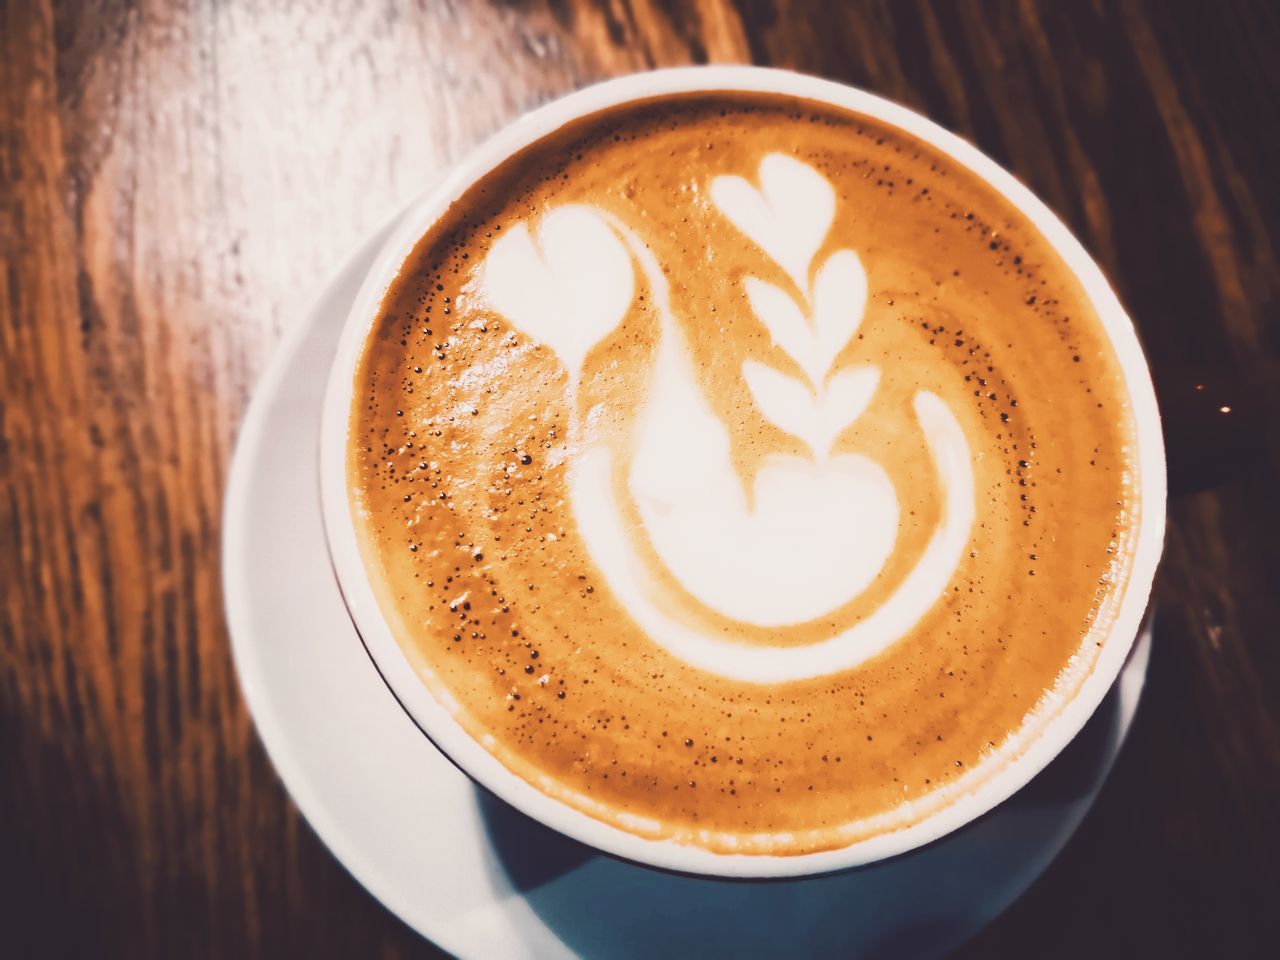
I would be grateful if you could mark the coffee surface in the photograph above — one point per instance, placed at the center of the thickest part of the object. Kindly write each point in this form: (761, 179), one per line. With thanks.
(743, 471)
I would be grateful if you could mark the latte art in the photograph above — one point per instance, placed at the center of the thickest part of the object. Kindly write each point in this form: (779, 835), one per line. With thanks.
(742, 472)
(815, 530)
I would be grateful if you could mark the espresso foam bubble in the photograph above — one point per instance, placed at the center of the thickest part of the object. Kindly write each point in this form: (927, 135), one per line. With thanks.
(742, 472)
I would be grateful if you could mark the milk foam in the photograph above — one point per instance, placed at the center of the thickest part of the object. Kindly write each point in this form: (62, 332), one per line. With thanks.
(812, 533)
(607, 538)
(569, 288)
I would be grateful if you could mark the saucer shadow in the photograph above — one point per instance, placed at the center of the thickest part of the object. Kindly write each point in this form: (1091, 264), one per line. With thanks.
(531, 854)
(920, 904)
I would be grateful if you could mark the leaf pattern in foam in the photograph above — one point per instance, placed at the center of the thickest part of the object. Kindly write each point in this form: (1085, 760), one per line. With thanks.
(787, 217)
(786, 325)
(847, 395)
(785, 401)
(568, 287)
(839, 300)
(817, 420)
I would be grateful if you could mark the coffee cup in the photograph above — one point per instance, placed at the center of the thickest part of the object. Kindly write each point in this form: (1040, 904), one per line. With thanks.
(812, 484)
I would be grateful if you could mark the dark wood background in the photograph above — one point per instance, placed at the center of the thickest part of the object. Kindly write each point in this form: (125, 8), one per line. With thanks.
(176, 180)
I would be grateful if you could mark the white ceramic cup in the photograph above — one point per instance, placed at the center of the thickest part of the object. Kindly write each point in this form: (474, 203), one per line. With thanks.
(437, 723)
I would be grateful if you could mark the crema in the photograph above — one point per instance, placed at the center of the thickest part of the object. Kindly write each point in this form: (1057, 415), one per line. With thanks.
(742, 471)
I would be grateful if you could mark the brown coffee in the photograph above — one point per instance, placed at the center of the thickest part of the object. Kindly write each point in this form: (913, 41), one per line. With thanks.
(742, 471)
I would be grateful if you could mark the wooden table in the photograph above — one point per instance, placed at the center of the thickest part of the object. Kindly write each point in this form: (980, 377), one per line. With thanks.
(176, 180)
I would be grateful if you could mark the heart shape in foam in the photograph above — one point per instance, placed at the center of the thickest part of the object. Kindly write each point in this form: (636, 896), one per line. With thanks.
(814, 537)
(787, 217)
(567, 287)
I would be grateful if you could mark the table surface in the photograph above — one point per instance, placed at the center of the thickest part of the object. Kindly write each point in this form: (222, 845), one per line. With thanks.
(176, 181)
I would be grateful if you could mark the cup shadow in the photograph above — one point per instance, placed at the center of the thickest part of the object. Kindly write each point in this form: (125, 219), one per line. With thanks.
(919, 904)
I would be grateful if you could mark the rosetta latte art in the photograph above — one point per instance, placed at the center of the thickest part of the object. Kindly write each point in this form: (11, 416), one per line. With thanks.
(814, 531)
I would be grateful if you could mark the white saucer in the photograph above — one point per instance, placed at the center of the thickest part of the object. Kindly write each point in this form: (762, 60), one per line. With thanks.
(480, 879)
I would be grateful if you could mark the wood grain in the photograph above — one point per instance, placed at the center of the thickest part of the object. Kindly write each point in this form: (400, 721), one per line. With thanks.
(176, 179)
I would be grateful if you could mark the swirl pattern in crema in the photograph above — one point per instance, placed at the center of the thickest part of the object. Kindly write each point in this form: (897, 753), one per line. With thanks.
(742, 472)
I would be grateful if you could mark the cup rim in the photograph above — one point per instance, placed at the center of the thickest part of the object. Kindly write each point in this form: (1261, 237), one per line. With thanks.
(439, 725)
